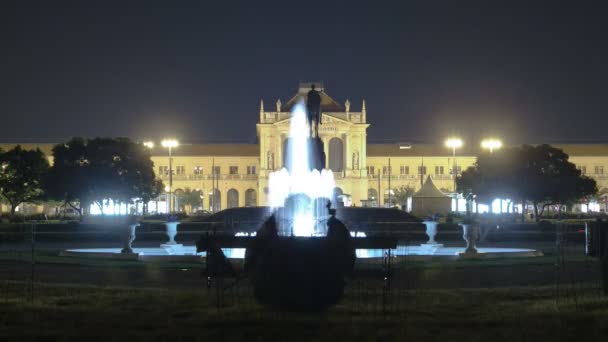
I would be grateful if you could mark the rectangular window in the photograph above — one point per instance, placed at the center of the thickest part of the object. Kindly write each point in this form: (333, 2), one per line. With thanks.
(387, 170)
(234, 170)
(371, 170)
(422, 170)
(251, 170)
(583, 170)
(163, 170)
(180, 170)
(439, 170)
(216, 170)
(198, 170)
(599, 170)
(404, 170)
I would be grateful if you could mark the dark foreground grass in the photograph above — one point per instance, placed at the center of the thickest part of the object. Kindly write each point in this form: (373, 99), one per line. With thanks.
(71, 312)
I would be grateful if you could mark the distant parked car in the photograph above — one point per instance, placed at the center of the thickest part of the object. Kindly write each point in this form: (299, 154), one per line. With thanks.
(201, 213)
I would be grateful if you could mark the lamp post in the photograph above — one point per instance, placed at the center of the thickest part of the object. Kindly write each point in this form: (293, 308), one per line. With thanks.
(149, 144)
(170, 144)
(454, 143)
(491, 144)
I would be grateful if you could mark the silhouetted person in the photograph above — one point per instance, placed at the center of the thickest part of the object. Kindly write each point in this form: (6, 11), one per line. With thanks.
(217, 264)
(263, 237)
(340, 243)
(313, 108)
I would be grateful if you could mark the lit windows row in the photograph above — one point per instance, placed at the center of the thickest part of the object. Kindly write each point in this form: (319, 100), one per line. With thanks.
(405, 170)
(598, 170)
(198, 170)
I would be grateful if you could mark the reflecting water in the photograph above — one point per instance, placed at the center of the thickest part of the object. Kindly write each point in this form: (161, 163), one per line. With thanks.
(239, 253)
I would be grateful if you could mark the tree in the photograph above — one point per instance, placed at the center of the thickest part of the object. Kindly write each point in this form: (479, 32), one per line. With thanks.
(540, 174)
(547, 177)
(402, 194)
(92, 171)
(191, 198)
(21, 175)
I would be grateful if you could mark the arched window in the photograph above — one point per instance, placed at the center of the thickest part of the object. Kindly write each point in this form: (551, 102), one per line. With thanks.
(215, 201)
(338, 194)
(372, 195)
(389, 198)
(251, 199)
(233, 198)
(336, 155)
(285, 152)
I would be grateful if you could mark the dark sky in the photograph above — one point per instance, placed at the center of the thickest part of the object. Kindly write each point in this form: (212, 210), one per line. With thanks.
(526, 72)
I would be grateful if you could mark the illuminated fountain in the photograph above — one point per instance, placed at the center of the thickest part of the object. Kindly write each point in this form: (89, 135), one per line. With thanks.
(298, 198)
(299, 192)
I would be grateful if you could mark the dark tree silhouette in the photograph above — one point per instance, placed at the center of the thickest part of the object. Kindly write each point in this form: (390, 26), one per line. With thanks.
(21, 175)
(90, 171)
(539, 174)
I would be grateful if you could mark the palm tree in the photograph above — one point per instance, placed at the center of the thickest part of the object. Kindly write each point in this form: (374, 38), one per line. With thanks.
(402, 194)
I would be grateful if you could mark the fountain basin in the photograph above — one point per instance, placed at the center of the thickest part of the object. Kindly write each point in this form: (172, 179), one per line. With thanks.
(411, 252)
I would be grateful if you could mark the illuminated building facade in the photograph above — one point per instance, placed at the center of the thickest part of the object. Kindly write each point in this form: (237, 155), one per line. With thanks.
(236, 175)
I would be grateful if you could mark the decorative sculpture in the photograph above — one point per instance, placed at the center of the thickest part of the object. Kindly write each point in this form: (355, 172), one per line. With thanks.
(313, 110)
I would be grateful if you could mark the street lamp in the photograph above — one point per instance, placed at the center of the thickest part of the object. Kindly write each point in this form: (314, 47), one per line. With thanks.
(491, 144)
(170, 144)
(454, 143)
(149, 144)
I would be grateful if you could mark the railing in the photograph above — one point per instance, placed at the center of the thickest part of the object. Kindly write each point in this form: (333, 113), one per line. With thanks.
(395, 177)
(209, 177)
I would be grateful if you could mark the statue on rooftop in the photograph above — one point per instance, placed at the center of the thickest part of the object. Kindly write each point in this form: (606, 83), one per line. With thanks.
(313, 110)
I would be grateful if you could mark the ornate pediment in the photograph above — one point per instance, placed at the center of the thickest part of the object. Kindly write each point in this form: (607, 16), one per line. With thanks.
(333, 120)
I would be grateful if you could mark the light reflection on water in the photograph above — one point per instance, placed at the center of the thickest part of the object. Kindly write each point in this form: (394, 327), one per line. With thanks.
(239, 253)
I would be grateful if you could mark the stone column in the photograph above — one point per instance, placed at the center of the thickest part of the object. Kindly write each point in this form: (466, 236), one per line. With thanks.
(326, 150)
(346, 155)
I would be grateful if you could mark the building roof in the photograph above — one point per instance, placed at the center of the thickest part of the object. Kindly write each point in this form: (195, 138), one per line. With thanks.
(327, 103)
(373, 150)
(439, 150)
(212, 150)
(582, 150)
(416, 150)
(429, 190)
(47, 149)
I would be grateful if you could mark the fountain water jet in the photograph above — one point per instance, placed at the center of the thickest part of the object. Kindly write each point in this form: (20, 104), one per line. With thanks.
(300, 191)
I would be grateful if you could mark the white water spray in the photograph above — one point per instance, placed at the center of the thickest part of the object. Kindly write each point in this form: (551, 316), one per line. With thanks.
(301, 219)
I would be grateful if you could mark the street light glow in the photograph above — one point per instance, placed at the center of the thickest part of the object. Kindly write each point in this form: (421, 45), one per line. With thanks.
(169, 143)
(453, 143)
(149, 144)
(491, 144)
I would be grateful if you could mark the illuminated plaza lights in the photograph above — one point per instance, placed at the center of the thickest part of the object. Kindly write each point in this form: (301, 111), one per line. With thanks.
(491, 144)
(454, 143)
(149, 144)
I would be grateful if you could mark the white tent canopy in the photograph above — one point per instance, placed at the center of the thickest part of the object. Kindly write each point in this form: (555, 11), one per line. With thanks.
(429, 200)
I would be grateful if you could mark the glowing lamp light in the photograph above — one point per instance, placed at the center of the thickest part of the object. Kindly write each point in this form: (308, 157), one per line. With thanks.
(491, 144)
(453, 143)
(169, 143)
(167, 188)
(149, 144)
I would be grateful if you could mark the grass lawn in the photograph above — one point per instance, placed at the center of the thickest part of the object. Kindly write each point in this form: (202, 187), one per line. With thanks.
(506, 314)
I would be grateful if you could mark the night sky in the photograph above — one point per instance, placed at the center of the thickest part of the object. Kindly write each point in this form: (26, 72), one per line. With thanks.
(196, 70)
